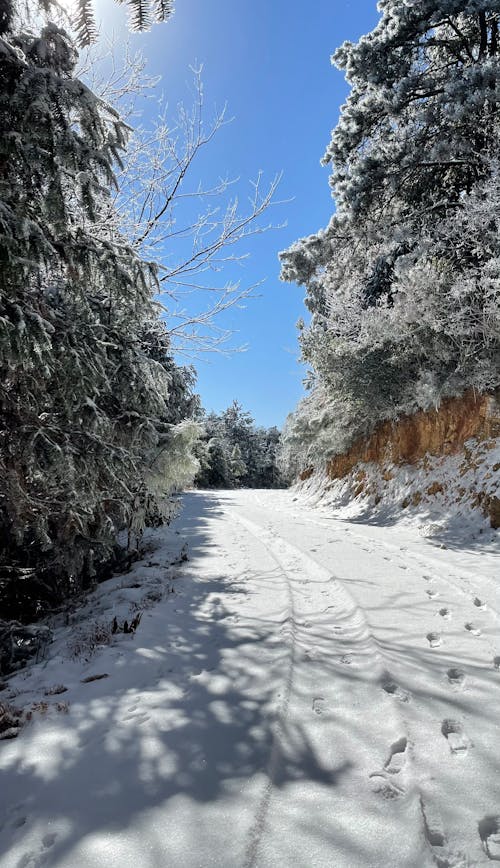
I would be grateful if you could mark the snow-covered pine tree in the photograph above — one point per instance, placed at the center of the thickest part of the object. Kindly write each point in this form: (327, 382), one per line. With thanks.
(142, 14)
(91, 437)
(234, 453)
(403, 283)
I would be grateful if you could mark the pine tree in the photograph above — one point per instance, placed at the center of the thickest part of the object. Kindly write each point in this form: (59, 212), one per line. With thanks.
(403, 283)
(91, 437)
(234, 453)
(142, 14)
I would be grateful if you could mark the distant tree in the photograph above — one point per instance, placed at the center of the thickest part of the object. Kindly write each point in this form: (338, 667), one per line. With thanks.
(233, 453)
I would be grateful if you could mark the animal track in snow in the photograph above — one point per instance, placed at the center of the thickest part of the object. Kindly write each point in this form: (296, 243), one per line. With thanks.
(479, 603)
(445, 613)
(346, 658)
(496, 662)
(432, 594)
(489, 832)
(49, 840)
(472, 628)
(454, 733)
(434, 640)
(456, 676)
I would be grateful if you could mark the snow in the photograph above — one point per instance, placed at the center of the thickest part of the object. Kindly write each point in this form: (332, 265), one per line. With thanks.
(286, 705)
(443, 495)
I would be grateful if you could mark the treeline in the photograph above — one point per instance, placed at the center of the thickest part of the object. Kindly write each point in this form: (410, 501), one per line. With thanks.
(403, 285)
(234, 453)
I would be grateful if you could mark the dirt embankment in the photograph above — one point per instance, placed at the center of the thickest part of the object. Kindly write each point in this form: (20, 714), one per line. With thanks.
(443, 432)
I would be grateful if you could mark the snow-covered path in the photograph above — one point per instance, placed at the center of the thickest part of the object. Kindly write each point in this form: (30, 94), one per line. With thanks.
(316, 693)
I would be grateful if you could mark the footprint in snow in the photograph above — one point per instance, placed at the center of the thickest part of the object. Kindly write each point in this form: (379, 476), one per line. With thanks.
(445, 613)
(472, 628)
(19, 822)
(384, 783)
(319, 705)
(49, 840)
(479, 603)
(496, 662)
(433, 824)
(28, 860)
(453, 731)
(432, 594)
(436, 838)
(346, 659)
(489, 832)
(136, 718)
(395, 690)
(397, 756)
(434, 640)
(456, 677)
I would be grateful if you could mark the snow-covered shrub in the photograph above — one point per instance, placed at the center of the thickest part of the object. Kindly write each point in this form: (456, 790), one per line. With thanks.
(86, 640)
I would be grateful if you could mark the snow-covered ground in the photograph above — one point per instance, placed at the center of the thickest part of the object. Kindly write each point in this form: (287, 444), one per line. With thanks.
(315, 693)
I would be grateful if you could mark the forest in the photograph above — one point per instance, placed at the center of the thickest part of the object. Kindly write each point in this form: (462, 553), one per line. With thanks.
(100, 423)
(228, 638)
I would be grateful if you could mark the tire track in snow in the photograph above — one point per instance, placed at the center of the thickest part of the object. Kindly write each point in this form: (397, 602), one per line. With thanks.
(257, 829)
(287, 557)
(421, 560)
(427, 797)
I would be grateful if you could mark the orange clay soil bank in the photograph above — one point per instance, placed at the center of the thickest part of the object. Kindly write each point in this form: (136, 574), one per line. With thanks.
(434, 432)
(417, 440)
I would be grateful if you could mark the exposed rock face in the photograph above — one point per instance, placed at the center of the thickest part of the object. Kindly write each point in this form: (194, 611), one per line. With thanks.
(434, 432)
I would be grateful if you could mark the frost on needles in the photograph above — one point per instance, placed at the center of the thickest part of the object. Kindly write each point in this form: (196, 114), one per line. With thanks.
(95, 431)
(403, 284)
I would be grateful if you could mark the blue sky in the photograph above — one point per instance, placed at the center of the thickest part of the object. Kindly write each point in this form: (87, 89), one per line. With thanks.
(270, 61)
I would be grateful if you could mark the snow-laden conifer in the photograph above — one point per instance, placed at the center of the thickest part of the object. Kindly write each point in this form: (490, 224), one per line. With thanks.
(92, 436)
(403, 283)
